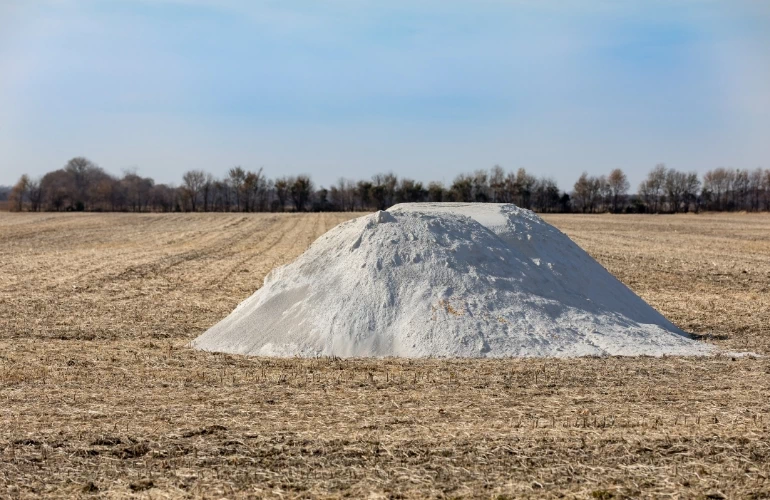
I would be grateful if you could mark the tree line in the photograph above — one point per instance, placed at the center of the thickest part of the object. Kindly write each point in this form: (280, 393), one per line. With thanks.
(81, 185)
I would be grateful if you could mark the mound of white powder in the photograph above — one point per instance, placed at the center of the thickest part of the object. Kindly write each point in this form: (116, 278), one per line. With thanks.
(446, 279)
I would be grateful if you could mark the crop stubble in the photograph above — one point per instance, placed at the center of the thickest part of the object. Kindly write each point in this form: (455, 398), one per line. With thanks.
(100, 395)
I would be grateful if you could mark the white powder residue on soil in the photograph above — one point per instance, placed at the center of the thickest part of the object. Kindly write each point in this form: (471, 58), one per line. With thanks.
(446, 279)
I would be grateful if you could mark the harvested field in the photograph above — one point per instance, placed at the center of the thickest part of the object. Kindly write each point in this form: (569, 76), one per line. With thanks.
(100, 395)
(709, 274)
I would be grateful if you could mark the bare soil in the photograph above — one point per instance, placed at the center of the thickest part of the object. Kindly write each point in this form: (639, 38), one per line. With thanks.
(100, 395)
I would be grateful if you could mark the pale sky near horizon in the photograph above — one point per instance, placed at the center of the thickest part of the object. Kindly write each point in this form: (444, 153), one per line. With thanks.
(348, 88)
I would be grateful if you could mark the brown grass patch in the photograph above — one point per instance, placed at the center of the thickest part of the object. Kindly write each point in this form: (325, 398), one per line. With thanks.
(100, 394)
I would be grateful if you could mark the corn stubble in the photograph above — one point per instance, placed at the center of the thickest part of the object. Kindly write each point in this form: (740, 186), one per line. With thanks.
(99, 394)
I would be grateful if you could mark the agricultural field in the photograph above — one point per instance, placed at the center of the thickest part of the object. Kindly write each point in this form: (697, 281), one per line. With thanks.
(100, 394)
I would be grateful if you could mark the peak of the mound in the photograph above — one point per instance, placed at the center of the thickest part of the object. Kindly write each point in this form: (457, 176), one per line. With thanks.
(445, 279)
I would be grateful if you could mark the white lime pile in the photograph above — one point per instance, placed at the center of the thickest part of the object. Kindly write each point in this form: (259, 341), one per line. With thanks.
(449, 280)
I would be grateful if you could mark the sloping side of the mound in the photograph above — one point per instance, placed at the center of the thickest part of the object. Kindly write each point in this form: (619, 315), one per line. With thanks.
(455, 280)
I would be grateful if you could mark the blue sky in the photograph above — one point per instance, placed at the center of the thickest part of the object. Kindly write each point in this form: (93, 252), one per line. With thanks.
(348, 88)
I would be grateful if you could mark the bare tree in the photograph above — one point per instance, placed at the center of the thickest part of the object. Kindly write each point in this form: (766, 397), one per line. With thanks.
(35, 194)
(136, 190)
(546, 195)
(410, 191)
(717, 187)
(237, 178)
(740, 189)
(301, 188)
(618, 186)
(497, 185)
(754, 193)
(675, 186)
(249, 189)
(223, 194)
(163, 198)
(84, 174)
(193, 180)
(364, 194)
(207, 191)
(384, 189)
(343, 195)
(603, 193)
(260, 189)
(523, 187)
(351, 192)
(58, 190)
(435, 192)
(580, 192)
(480, 186)
(766, 189)
(692, 192)
(282, 186)
(462, 188)
(107, 193)
(19, 193)
(652, 188)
